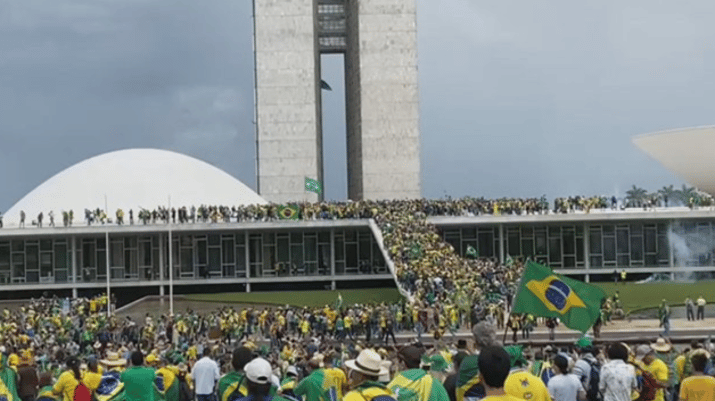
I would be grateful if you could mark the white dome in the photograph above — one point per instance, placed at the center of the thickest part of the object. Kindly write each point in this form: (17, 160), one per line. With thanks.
(132, 179)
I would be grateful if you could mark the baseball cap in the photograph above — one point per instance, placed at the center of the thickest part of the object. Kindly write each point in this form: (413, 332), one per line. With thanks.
(258, 371)
(642, 351)
(292, 371)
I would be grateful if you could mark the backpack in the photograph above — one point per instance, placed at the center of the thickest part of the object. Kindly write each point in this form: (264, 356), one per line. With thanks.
(82, 393)
(592, 393)
(648, 385)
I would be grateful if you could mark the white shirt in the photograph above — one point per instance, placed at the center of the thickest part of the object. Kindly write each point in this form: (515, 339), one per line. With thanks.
(618, 379)
(205, 374)
(564, 387)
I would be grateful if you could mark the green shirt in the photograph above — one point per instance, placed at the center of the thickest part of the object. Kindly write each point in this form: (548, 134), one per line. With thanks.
(139, 383)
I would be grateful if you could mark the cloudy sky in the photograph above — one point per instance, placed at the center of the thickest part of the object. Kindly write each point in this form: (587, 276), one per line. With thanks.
(517, 98)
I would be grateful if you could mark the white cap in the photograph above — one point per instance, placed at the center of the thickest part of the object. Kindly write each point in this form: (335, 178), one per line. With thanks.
(258, 371)
(292, 371)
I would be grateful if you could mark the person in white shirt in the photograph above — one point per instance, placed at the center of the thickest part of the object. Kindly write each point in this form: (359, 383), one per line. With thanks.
(565, 386)
(206, 374)
(618, 378)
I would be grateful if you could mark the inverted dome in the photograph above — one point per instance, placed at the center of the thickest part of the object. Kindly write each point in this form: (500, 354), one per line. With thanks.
(687, 152)
(133, 179)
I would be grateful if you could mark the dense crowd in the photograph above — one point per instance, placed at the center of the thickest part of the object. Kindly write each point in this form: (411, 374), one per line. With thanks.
(51, 352)
(467, 206)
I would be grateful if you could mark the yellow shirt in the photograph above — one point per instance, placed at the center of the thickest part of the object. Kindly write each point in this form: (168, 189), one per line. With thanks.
(698, 388)
(524, 385)
(336, 378)
(92, 380)
(65, 385)
(659, 370)
(505, 397)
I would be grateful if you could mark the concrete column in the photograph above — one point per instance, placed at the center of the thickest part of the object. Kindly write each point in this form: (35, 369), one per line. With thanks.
(74, 292)
(332, 258)
(161, 264)
(246, 243)
(501, 243)
(73, 247)
(248, 287)
(586, 250)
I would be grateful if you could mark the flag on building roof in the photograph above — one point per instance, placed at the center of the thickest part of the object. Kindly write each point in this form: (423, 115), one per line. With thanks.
(545, 294)
(312, 185)
(288, 212)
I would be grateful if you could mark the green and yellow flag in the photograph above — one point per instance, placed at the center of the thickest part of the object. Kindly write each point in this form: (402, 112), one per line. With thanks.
(288, 212)
(471, 253)
(312, 185)
(546, 294)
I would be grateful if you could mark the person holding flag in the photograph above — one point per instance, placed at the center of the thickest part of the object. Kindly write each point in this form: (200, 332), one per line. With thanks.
(545, 294)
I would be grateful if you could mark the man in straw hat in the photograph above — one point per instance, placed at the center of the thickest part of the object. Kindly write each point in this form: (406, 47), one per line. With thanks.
(113, 362)
(415, 381)
(645, 355)
(363, 373)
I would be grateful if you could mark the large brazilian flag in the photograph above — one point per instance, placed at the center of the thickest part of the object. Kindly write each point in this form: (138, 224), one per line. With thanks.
(543, 293)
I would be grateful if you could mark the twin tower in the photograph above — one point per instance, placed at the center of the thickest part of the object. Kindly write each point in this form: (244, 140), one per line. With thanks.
(378, 39)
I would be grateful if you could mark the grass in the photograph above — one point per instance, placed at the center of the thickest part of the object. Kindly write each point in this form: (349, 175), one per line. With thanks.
(649, 295)
(303, 298)
(633, 296)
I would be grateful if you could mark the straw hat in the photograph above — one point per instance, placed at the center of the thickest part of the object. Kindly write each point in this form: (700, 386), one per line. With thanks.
(368, 363)
(113, 359)
(661, 345)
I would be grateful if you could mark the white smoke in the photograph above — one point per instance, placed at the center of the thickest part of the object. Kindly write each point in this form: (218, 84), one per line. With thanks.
(688, 248)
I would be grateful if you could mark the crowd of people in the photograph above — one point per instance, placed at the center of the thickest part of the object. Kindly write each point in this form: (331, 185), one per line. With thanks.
(81, 353)
(467, 206)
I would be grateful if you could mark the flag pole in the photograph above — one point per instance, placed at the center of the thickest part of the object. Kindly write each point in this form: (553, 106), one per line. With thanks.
(171, 265)
(506, 327)
(106, 252)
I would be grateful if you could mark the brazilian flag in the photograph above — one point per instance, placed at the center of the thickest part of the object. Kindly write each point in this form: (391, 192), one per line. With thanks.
(312, 185)
(545, 294)
(288, 212)
(471, 252)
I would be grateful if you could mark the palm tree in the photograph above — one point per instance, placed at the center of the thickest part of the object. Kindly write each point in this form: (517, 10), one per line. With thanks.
(636, 196)
(668, 194)
(685, 193)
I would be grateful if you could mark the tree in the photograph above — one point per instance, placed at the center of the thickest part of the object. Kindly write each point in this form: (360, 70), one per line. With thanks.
(685, 193)
(668, 194)
(636, 196)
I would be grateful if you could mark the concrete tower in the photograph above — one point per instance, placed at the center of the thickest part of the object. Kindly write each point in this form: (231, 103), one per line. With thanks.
(378, 39)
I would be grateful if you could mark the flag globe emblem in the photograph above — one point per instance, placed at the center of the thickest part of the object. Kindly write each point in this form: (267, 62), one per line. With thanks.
(287, 213)
(558, 294)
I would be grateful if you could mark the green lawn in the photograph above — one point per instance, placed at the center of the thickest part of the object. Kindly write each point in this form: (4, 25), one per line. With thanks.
(639, 296)
(303, 298)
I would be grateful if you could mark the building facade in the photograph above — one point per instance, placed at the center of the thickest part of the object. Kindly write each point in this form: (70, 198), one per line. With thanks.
(378, 40)
(337, 252)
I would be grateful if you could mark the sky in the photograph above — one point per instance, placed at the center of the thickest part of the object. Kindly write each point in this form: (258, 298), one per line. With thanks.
(516, 98)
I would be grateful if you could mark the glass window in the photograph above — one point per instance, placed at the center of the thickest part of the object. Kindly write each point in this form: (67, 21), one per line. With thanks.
(650, 240)
(61, 257)
(296, 238)
(18, 246)
(596, 261)
(241, 260)
(486, 244)
(117, 254)
(227, 250)
(201, 252)
(311, 248)
(637, 248)
(555, 251)
(622, 240)
(512, 247)
(540, 237)
(187, 260)
(527, 247)
(351, 256)
(339, 248)
(608, 229)
(46, 245)
(324, 237)
(579, 251)
(569, 242)
(609, 249)
(214, 239)
(595, 241)
(215, 259)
